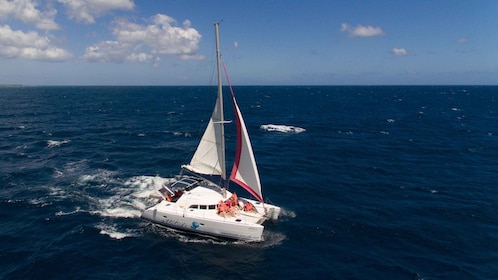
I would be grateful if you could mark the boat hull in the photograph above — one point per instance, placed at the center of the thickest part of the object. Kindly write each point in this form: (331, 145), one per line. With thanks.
(228, 228)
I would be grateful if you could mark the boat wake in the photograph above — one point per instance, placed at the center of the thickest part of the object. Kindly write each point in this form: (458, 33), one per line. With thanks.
(77, 190)
(282, 128)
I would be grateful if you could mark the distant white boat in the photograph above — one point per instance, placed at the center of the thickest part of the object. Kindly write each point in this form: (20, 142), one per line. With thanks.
(200, 202)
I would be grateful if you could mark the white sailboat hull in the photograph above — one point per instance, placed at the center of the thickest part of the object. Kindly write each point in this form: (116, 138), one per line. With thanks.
(213, 226)
(197, 209)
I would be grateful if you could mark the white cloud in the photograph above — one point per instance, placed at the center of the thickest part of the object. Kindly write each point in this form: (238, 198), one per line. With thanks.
(113, 51)
(87, 10)
(106, 51)
(462, 40)
(399, 51)
(29, 45)
(160, 37)
(235, 44)
(362, 31)
(27, 12)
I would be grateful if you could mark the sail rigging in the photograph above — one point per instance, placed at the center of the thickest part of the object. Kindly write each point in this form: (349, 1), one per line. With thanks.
(212, 209)
(209, 158)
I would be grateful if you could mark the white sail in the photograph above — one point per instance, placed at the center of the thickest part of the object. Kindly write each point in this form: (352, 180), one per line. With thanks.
(244, 171)
(209, 158)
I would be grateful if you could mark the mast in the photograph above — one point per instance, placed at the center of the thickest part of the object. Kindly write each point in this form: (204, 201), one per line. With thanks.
(220, 100)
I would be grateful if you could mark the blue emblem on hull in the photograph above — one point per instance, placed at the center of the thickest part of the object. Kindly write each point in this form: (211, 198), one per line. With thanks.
(195, 225)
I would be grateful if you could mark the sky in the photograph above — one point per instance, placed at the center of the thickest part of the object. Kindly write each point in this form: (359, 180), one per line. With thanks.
(293, 42)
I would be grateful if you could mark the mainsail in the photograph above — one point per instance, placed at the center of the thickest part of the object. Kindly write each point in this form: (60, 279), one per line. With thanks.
(209, 158)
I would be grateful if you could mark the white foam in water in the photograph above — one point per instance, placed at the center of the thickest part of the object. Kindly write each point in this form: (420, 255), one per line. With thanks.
(113, 232)
(53, 143)
(287, 213)
(145, 185)
(102, 193)
(130, 197)
(282, 128)
(61, 213)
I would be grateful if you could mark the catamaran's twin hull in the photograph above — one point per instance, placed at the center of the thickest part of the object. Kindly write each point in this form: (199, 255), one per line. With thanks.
(219, 228)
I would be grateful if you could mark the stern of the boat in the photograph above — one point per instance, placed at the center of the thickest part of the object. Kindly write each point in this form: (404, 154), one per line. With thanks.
(272, 211)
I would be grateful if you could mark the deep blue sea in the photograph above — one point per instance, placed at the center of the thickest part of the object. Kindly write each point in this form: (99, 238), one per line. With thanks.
(383, 182)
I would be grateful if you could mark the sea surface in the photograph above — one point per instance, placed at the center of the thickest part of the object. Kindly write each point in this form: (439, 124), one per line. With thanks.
(375, 182)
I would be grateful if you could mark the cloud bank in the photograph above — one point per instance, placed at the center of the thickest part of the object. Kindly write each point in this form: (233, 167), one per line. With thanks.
(29, 45)
(131, 42)
(27, 12)
(86, 11)
(144, 43)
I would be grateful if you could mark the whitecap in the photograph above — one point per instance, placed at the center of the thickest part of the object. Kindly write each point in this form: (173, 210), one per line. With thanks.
(119, 212)
(61, 213)
(53, 143)
(113, 232)
(58, 173)
(103, 176)
(282, 128)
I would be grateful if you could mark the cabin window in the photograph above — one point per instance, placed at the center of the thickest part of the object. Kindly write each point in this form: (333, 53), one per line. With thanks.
(212, 207)
(238, 220)
(203, 207)
(194, 206)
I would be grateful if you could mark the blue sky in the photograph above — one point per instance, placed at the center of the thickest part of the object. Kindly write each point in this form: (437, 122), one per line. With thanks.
(149, 42)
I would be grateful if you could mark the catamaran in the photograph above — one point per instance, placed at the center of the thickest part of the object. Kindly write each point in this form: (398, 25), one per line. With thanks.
(199, 201)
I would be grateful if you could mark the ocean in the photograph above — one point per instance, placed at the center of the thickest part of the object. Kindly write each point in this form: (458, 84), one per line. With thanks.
(375, 182)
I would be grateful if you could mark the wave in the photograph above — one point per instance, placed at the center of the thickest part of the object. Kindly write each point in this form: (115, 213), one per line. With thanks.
(282, 128)
(61, 213)
(53, 143)
(113, 232)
